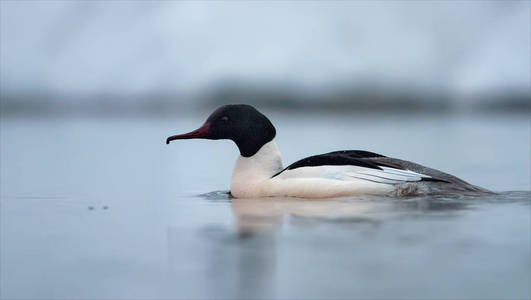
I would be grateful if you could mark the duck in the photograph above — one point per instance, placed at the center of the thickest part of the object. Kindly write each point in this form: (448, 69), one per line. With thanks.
(259, 172)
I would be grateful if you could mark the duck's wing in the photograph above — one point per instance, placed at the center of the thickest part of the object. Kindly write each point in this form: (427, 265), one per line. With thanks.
(354, 165)
(444, 182)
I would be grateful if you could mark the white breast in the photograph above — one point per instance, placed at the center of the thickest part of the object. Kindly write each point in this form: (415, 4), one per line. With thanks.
(251, 174)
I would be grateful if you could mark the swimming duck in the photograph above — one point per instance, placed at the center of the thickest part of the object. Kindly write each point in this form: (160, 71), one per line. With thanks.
(259, 172)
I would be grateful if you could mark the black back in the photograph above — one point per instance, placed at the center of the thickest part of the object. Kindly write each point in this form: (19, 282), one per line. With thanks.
(338, 158)
(244, 125)
(357, 158)
(356, 153)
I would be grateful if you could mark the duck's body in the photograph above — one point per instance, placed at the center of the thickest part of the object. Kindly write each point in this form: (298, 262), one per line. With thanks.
(262, 175)
(259, 173)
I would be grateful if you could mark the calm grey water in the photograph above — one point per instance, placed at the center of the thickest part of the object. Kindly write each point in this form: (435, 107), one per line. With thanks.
(104, 209)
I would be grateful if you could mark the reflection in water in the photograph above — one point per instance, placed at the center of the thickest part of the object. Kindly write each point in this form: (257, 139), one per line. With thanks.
(278, 245)
(268, 214)
(256, 221)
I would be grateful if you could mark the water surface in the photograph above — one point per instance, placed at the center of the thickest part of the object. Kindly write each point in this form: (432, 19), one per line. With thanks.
(104, 209)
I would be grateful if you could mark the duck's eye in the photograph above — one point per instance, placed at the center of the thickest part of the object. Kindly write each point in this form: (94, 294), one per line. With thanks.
(224, 118)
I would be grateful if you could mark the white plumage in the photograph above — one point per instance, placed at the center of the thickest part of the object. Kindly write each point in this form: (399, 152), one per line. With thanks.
(253, 177)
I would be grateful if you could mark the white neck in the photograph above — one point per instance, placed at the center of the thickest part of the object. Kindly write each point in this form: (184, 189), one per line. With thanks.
(248, 171)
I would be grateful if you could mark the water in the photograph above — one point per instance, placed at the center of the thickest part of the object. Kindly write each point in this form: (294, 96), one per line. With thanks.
(104, 209)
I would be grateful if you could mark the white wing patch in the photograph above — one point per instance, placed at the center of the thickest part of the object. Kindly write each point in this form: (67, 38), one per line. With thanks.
(386, 175)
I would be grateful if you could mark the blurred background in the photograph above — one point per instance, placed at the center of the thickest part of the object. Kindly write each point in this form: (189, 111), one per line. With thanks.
(160, 57)
(95, 205)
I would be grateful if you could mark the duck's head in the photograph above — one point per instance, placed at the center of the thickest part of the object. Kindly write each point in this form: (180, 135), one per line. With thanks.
(241, 123)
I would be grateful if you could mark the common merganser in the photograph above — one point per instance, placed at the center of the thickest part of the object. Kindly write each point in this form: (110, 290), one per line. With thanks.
(259, 173)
